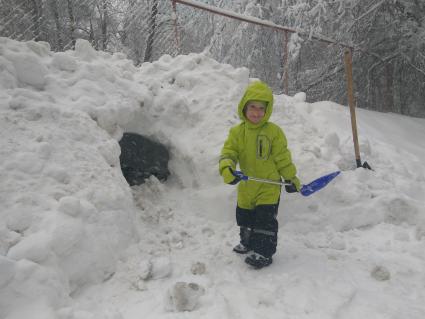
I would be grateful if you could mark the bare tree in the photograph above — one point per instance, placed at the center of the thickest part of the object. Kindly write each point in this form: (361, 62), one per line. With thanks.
(72, 23)
(103, 12)
(37, 17)
(152, 30)
(389, 34)
(58, 34)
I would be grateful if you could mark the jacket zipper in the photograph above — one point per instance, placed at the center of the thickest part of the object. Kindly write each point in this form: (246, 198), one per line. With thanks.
(261, 148)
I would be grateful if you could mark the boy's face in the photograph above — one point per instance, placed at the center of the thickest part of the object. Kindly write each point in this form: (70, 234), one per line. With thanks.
(255, 111)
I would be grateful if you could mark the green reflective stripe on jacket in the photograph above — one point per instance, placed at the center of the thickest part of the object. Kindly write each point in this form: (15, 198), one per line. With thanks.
(260, 150)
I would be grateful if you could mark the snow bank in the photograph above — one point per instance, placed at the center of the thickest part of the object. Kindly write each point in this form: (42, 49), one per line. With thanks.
(67, 212)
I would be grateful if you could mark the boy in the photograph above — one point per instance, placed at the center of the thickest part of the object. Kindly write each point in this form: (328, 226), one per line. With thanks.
(260, 148)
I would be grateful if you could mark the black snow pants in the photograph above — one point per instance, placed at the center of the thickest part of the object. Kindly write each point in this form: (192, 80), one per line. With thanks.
(258, 228)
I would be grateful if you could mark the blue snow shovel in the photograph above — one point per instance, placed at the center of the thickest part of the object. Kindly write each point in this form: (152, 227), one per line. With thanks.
(306, 190)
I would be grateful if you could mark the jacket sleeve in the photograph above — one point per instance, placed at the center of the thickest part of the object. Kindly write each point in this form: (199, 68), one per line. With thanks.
(229, 153)
(282, 157)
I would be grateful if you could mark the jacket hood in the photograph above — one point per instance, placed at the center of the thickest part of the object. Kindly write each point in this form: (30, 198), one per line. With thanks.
(258, 91)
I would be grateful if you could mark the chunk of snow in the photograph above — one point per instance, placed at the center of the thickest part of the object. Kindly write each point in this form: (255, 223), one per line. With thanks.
(183, 296)
(64, 61)
(84, 50)
(300, 97)
(32, 247)
(381, 273)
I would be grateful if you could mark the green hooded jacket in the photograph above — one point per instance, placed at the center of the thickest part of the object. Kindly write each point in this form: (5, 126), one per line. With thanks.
(260, 150)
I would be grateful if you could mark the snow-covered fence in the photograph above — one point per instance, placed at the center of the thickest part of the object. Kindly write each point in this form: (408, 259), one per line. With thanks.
(147, 29)
(243, 39)
(389, 62)
(141, 28)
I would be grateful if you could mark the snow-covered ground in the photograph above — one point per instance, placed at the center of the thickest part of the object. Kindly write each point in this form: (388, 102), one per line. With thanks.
(77, 242)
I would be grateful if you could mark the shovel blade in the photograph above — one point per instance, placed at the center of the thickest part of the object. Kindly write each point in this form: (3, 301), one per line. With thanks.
(318, 184)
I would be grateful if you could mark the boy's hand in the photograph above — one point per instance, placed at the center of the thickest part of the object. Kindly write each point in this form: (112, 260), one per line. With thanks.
(295, 185)
(229, 178)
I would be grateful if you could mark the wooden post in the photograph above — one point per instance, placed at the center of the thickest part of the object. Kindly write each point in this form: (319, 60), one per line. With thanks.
(351, 102)
(285, 64)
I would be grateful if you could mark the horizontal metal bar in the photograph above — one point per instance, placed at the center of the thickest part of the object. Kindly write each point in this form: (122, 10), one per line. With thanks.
(254, 20)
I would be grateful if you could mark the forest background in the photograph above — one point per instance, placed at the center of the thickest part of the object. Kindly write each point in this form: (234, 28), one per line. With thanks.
(388, 37)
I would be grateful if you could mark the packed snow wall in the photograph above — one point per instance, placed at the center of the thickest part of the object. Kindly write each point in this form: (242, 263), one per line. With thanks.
(67, 212)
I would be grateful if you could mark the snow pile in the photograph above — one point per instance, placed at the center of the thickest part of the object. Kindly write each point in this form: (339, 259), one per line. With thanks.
(354, 248)
(67, 212)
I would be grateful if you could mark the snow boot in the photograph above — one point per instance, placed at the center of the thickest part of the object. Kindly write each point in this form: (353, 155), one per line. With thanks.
(258, 261)
(241, 249)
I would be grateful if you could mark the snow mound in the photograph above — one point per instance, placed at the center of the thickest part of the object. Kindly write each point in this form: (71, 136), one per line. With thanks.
(67, 212)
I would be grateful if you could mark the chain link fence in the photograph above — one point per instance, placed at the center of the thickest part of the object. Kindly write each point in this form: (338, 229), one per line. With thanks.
(388, 74)
(141, 29)
(290, 60)
(147, 29)
(238, 43)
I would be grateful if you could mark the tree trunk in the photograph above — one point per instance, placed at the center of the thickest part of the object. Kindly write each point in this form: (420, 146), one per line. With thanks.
(387, 88)
(152, 30)
(71, 23)
(91, 36)
(104, 24)
(37, 16)
(55, 11)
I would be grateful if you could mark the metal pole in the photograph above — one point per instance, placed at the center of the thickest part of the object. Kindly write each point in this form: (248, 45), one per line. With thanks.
(268, 181)
(241, 17)
(351, 102)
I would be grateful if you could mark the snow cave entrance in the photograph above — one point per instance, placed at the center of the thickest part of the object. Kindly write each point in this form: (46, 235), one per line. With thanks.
(142, 157)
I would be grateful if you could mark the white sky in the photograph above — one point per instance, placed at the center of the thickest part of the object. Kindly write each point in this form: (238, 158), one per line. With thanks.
(77, 242)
